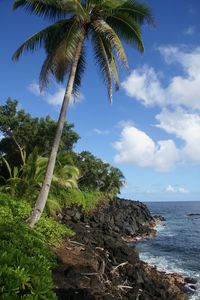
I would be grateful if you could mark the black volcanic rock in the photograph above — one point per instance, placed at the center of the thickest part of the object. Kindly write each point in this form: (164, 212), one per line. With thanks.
(190, 280)
(125, 216)
(159, 218)
(99, 265)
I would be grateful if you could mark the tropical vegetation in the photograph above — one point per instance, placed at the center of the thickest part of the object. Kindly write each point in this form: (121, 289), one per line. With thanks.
(106, 23)
(26, 259)
(79, 179)
(38, 164)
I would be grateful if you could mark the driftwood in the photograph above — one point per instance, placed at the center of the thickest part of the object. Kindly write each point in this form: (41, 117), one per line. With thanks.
(117, 267)
(76, 243)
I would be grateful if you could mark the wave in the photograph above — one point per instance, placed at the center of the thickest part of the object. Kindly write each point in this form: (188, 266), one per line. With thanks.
(168, 265)
(164, 230)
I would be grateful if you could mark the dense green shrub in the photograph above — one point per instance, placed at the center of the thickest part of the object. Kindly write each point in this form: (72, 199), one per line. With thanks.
(26, 262)
(51, 230)
(87, 200)
(26, 259)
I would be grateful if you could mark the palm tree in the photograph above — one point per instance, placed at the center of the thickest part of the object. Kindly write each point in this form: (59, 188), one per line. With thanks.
(27, 179)
(106, 22)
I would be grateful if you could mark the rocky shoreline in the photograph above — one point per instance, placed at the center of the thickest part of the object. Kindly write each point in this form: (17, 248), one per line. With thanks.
(99, 264)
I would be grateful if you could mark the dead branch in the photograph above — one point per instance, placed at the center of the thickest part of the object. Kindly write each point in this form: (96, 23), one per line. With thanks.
(89, 274)
(122, 287)
(120, 265)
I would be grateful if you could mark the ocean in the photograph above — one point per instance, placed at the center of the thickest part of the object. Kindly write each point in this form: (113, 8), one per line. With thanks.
(176, 248)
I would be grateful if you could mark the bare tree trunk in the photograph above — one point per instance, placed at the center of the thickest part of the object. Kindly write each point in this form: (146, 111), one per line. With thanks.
(42, 198)
(19, 147)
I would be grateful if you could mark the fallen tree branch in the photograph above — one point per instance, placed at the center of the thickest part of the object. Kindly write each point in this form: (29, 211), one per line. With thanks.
(121, 287)
(120, 265)
(76, 243)
(89, 274)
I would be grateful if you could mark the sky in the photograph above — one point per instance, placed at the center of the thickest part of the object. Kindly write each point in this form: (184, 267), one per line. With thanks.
(151, 131)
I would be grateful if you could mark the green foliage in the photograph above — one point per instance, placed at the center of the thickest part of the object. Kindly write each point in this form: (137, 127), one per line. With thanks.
(98, 175)
(13, 209)
(22, 132)
(26, 260)
(52, 231)
(25, 181)
(87, 200)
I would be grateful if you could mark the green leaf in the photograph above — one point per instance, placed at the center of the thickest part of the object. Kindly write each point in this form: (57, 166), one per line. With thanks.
(7, 166)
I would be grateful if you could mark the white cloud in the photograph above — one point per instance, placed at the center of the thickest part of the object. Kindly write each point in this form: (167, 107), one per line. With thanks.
(137, 148)
(179, 101)
(182, 190)
(170, 189)
(176, 189)
(189, 31)
(34, 88)
(185, 126)
(145, 85)
(100, 131)
(55, 98)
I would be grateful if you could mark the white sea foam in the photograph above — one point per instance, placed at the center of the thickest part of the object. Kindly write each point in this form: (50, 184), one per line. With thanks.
(161, 263)
(160, 227)
(164, 230)
(166, 265)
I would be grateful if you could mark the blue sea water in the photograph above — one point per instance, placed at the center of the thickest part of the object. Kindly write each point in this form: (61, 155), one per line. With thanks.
(176, 247)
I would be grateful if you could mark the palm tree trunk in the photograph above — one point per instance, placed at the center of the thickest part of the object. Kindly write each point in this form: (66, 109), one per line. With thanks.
(42, 198)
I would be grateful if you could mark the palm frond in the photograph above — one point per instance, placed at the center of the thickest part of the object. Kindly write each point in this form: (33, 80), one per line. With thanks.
(113, 66)
(139, 12)
(127, 29)
(104, 5)
(70, 171)
(53, 207)
(37, 40)
(60, 54)
(55, 63)
(102, 60)
(106, 31)
(51, 9)
(64, 182)
(8, 167)
(79, 73)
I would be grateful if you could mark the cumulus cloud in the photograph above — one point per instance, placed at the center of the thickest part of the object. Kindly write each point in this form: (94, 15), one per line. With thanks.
(145, 84)
(137, 148)
(179, 101)
(55, 98)
(176, 189)
(185, 126)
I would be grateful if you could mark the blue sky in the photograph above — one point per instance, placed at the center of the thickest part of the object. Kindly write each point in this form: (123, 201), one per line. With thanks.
(152, 129)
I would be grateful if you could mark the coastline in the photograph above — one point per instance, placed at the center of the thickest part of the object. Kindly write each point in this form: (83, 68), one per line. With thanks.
(99, 264)
(177, 281)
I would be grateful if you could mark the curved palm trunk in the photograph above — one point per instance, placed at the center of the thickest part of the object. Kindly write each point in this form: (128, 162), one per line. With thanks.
(42, 198)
